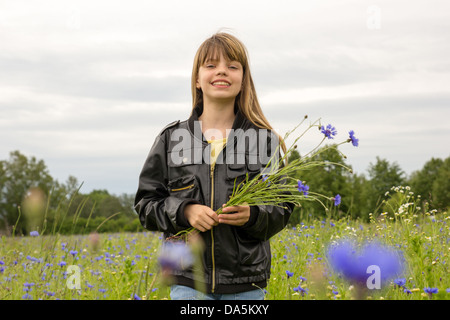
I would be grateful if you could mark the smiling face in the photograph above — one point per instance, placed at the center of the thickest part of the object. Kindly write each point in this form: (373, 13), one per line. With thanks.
(220, 79)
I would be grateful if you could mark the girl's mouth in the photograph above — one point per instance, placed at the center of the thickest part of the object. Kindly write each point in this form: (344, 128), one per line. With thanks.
(221, 83)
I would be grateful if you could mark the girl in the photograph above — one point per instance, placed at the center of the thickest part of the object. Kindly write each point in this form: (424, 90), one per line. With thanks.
(193, 166)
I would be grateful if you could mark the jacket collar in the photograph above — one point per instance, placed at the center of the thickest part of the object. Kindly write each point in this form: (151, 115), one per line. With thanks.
(240, 122)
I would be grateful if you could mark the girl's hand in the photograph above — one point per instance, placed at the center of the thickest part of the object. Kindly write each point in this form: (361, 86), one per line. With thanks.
(201, 217)
(235, 216)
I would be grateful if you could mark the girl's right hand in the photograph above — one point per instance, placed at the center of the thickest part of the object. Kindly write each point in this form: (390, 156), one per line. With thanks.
(201, 217)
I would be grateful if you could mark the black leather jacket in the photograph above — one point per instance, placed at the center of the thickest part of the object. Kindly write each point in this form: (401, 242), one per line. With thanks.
(235, 258)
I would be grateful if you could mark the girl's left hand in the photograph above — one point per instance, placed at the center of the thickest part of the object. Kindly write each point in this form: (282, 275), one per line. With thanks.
(235, 216)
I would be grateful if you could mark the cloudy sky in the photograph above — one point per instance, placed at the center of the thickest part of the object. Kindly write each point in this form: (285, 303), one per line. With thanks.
(87, 85)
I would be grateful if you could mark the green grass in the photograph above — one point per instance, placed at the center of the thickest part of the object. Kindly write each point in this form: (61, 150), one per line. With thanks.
(124, 265)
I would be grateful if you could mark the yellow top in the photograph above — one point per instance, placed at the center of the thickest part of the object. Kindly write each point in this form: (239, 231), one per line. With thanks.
(216, 148)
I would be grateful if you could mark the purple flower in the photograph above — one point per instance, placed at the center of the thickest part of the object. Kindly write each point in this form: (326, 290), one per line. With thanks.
(303, 291)
(430, 291)
(337, 200)
(136, 297)
(353, 139)
(175, 256)
(73, 252)
(354, 265)
(289, 274)
(303, 188)
(62, 263)
(400, 282)
(329, 131)
(34, 234)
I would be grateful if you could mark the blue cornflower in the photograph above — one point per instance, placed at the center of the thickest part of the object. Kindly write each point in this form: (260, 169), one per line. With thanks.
(352, 138)
(400, 282)
(329, 131)
(73, 252)
(353, 265)
(303, 188)
(62, 263)
(337, 200)
(32, 258)
(34, 233)
(27, 296)
(289, 274)
(264, 178)
(430, 291)
(136, 297)
(175, 256)
(303, 291)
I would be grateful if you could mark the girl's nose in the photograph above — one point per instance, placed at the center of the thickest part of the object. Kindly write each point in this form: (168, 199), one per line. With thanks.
(221, 70)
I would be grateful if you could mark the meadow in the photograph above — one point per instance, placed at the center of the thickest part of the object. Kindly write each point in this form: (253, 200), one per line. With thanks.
(121, 266)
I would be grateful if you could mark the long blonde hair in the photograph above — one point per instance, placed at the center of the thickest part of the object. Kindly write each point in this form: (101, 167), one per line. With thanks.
(247, 100)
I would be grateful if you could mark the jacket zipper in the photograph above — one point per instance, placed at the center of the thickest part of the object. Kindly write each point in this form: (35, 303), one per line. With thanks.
(213, 286)
(212, 232)
(183, 188)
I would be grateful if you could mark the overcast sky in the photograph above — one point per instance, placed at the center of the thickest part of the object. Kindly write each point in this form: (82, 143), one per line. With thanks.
(87, 85)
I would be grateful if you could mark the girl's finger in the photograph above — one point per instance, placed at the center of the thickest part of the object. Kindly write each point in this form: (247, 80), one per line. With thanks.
(230, 209)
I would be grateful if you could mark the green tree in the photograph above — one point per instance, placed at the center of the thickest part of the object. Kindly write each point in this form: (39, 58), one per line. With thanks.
(20, 174)
(441, 187)
(421, 181)
(430, 182)
(328, 180)
(359, 195)
(383, 175)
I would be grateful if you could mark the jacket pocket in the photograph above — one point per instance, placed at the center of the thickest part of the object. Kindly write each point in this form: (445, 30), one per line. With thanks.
(251, 251)
(235, 170)
(186, 187)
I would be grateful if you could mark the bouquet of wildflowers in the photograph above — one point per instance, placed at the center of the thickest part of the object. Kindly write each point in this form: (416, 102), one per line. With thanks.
(275, 184)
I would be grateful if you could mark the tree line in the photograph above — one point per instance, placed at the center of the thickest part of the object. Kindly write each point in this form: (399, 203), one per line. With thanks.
(32, 200)
(371, 192)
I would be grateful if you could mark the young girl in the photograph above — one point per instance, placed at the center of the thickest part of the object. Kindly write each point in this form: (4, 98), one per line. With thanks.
(193, 166)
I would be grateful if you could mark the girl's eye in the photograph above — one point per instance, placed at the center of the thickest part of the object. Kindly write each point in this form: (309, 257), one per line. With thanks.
(233, 67)
(209, 66)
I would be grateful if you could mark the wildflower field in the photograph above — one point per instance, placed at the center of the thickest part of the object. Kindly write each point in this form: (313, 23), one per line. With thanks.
(125, 265)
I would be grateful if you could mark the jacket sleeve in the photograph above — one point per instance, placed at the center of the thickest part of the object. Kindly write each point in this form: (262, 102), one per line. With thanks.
(157, 209)
(267, 221)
